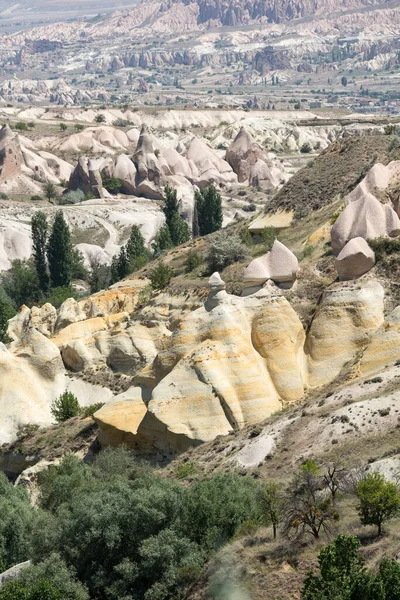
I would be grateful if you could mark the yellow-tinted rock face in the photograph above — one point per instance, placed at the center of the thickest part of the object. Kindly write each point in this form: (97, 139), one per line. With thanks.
(229, 363)
(342, 328)
(384, 348)
(278, 336)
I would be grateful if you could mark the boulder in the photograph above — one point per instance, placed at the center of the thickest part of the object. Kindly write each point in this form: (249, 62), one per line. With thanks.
(367, 218)
(261, 175)
(69, 312)
(149, 176)
(355, 259)
(279, 264)
(119, 419)
(44, 319)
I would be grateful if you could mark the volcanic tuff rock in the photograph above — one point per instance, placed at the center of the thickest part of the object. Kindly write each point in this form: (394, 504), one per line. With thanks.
(10, 154)
(230, 362)
(366, 218)
(243, 154)
(279, 264)
(355, 259)
(346, 319)
(235, 360)
(86, 177)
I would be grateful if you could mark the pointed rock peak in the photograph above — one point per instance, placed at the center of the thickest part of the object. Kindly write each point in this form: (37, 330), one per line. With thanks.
(145, 142)
(243, 138)
(279, 264)
(6, 132)
(215, 281)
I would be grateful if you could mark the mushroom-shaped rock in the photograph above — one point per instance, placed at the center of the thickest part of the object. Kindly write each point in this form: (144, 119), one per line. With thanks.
(217, 291)
(366, 218)
(243, 153)
(355, 259)
(215, 281)
(280, 265)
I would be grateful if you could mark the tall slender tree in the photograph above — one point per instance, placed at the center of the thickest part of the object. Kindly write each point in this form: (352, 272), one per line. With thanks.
(59, 252)
(135, 247)
(39, 228)
(178, 228)
(209, 210)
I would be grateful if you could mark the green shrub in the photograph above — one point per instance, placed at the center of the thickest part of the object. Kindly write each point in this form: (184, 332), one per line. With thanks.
(88, 411)
(390, 129)
(342, 574)
(27, 430)
(36, 198)
(306, 148)
(193, 260)
(21, 283)
(225, 249)
(308, 251)
(394, 143)
(384, 247)
(185, 470)
(71, 197)
(7, 312)
(160, 276)
(16, 525)
(111, 184)
(268, 237)
(58, 295)
(337, 214)
(246, 236)
(3, 196)
(21, 126)
(379, 500)
(65, 407)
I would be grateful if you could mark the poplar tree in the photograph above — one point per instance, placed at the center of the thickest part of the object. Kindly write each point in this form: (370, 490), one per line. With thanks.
(39, 228)
(59, 252)
(209, 210)
(178, 228)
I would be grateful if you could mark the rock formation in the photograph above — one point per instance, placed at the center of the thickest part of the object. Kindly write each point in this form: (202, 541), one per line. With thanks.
(228, 363)
(367, 218)
(10, 154)
(279, 264)
(86, 177)
(355, 259)
(346, 319)
(243, 154)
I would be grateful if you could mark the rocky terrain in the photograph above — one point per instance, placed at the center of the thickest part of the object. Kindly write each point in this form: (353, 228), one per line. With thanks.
(238, 360)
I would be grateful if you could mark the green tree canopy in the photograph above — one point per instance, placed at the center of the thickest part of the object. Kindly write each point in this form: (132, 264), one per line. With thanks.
(39, 239)
(209, 210)
(379, 500)
(343, 575)
(178, 229)
(60, 253)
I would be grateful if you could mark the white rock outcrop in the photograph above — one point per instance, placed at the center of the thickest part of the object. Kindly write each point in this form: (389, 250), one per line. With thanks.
(279, 264)
(356, 259)
(367, 218)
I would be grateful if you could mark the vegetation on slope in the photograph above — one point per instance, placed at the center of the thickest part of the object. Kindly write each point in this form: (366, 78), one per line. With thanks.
(334, 173)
